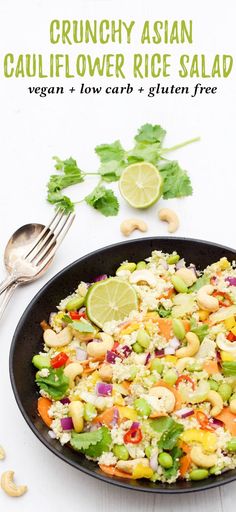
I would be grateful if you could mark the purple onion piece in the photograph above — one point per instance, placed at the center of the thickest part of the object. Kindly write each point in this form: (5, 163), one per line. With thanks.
(103, 389)
(193, 268)
(81, 354)
(111, 357)
(164, 264)
(159, 353)
(180, 264)
(214, 280)
(102, 277)
(153, 461)
(218, 357)
(231, 281)
(169, 351)
(215, 423)
(148, 357)
(67, 423)
(125, 351)
(185, 412)
(65, 401)
(135, 425)
(174, 342)
(116, 417)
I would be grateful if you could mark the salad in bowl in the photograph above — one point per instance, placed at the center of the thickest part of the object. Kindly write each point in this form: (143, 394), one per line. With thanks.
(138, 370)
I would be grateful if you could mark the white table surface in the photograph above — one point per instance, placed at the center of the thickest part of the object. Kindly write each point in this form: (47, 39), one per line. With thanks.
(33, 129)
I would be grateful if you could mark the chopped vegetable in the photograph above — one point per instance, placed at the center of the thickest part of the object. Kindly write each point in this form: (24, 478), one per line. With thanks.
(55, 384)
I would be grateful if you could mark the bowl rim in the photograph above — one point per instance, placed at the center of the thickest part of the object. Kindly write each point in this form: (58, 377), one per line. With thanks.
(117, 482)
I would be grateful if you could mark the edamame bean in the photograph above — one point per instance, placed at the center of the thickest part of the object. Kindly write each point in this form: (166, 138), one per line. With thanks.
(198, 474)
(41, 362)
(75, 303)
(120, 451)
(179, 284)
(165, 460)
(233, 397)
(231, 445)
(195, 367)
(141, 265)
(90, 412)
(173, 258)
(148, 451)
(213, 385)
(133, 372)
(137, 348)
(142, 407)
(157, 365)
(170, 377)
(215, 469)
(127, 266)
(225, 391)
(178, 328)
(143, 338)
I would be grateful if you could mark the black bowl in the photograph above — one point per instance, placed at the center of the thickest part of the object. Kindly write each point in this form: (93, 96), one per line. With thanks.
(27, 341)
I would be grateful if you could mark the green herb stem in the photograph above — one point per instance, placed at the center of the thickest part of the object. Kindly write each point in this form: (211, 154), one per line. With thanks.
(181, 145)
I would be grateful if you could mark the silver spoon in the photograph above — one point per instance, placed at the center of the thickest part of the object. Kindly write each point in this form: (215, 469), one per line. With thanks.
(21, 241)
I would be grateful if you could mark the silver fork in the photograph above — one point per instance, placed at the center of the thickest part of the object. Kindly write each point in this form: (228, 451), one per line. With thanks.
(36, 260)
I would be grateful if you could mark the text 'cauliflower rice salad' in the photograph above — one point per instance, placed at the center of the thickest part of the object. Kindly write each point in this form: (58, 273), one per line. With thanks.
(138, 371)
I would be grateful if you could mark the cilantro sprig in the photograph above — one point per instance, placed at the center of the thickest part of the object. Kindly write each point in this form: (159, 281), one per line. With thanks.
(113, 160)
(92, 444)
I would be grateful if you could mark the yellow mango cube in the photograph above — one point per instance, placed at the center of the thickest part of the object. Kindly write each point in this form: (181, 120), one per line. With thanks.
(141, 471)
(224, 263)
(171, 359)
(226, 356)
(203, 315)
(234, 330)
(230, 322)
(207, 439)
(131, 328)
(127, 412)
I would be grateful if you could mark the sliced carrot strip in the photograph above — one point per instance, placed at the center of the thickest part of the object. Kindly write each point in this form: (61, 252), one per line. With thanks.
(211, 367)
(112, 471)
(184, 446)
(44, 405)
(185, 463)
(157, 414)
(165, 326)
(229, 419)
(106, 417)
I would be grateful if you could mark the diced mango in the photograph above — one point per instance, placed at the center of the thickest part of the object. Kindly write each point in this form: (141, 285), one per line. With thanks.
(230, 322)
(118, 399)
(203, 315)
(141, 471)
(171, 359)
(224, 263)
(226, 356)
(127, 412)
(234, 330)
(131, 328)
(207, 439)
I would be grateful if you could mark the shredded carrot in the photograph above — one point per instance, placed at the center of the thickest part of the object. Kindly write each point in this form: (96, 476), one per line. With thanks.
(126, 384)
(184, 446)
(165, 326)
(211, 367)
(186, 325)
(185, 463)
(157, 414)
(44, 405)
(229, 419)
(112, 471)
(44, 325)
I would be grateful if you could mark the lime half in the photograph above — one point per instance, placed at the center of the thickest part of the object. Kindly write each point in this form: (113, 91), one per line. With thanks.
(141, 184)
(112, 299)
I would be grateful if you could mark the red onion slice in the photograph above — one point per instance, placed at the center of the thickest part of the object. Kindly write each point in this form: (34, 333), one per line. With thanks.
(102, 277)
(153, 460)
(67, 423)
(231, 281)
(65, 401)
(81, 354)
(184, 412)
(103, 389)
(159, 352)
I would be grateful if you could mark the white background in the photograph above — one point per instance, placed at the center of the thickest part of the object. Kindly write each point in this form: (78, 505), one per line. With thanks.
(33, 129)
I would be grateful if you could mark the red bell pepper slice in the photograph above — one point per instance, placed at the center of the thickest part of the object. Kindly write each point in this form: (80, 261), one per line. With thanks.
(75, 315)
(223, 298)
(59, 360)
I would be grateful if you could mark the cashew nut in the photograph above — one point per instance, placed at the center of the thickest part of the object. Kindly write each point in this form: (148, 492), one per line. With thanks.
(216, 401)
(76, 411)
(2, 453)
(72, 371)
(129, 465)
(60, 339)
(9, 486)
(183, 363)
(105, 372)
(201, 459)
(204, 299)
(232, 406)
(191, 348)
(143, 276)
(171, 217)
(129, 225)
(164, 399)
(188, 276)
(99, 348)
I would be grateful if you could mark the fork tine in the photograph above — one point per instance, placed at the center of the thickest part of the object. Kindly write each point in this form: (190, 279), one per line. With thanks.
(45, 256)
(43, 233)
(49, 238)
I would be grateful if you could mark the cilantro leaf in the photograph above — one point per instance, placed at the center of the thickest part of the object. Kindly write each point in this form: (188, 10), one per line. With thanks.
(162, 424)
(108, 152)
(176, 453)
(60, 201)
(169, 437)
(71, 175)
(68, 166)
(56, 384)
(144, 152)
(176, 182)
(104, 200)
(201, 330)
(151, 134)
(80, 326)
(111, 171)
(164, 313)
(92, 444)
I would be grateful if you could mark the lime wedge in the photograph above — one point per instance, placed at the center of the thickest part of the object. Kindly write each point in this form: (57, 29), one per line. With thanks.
(112, 299)
(141, 184)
